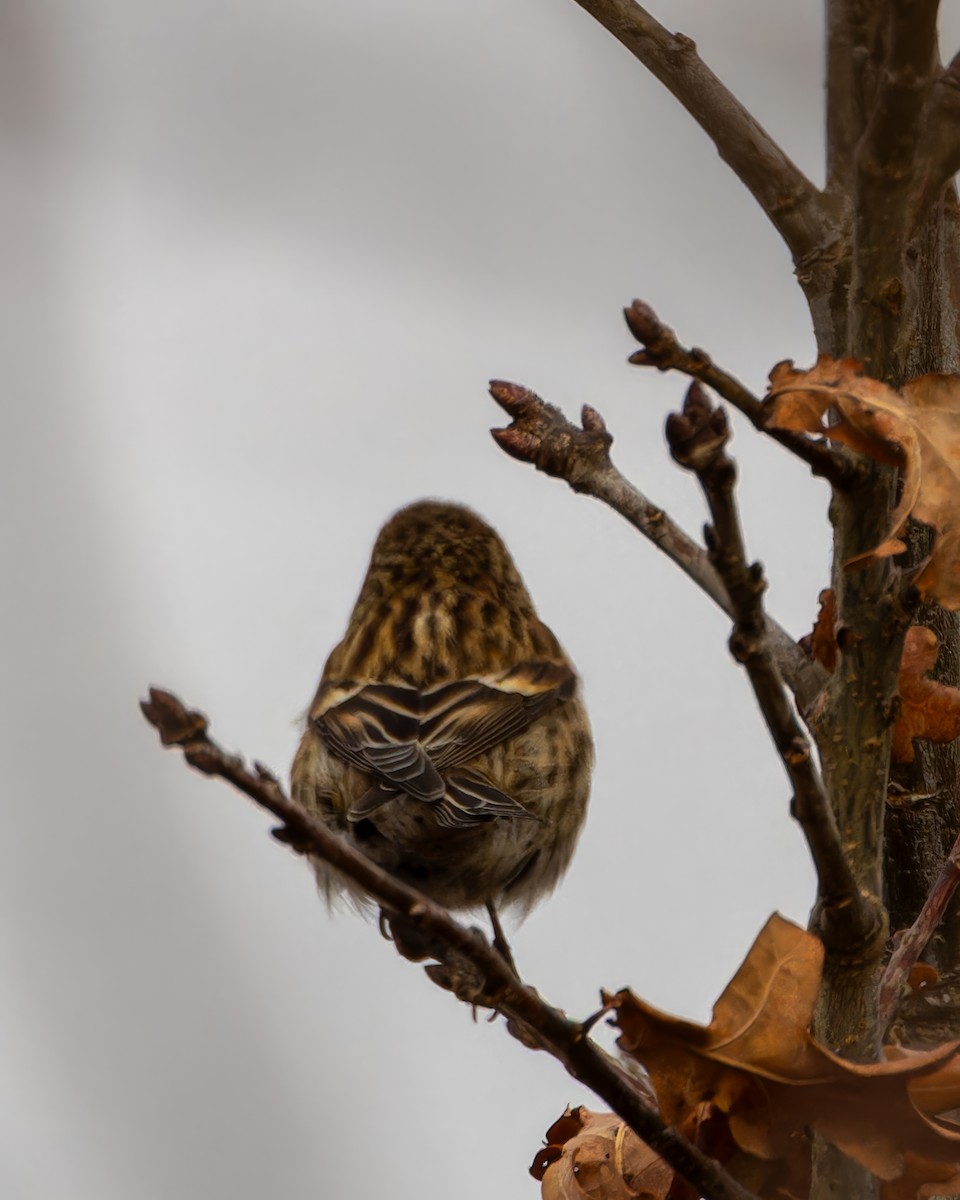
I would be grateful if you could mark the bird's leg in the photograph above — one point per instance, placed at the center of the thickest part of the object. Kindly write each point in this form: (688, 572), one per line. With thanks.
(500, 943)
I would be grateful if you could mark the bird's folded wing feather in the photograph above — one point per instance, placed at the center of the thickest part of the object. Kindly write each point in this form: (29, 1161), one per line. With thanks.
(465, 719)
(410, 740)
(378, 730)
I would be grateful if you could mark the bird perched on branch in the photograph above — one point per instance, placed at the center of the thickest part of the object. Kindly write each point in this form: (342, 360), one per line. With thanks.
(447, 739)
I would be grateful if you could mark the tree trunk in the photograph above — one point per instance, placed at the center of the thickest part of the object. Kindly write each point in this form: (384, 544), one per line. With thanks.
(889, 301)
(923, 825)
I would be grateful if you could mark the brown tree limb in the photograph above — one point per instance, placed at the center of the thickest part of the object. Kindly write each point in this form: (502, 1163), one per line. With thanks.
(886, 170)
(789, 199)
(662, 350)
(939, 151)
(911, 944)
(847, 918)
(540, 434)
(530, 1018)
(852, 31)
(889, 142)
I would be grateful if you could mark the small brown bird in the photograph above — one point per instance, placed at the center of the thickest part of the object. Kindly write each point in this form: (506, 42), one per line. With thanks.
(447, 739)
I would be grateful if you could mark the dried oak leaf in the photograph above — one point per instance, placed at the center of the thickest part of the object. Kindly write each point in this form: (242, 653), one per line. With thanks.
(916, 429)
(595, 1156)
(922, 1179)
(928, 709)
(821, 642)
(938, 1091)
(758, 1063)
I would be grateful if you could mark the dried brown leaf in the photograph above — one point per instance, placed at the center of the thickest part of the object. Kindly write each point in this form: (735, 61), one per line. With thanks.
(921, 1179)
(928, 709)
(936, 1091)
(758, 1063)
(595, 1156)
(916, 429)
(821, 642)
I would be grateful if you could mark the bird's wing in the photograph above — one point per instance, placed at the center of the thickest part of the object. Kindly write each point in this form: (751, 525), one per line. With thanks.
(470, 799)
(462, 720)
(377, 729)
(419, 743)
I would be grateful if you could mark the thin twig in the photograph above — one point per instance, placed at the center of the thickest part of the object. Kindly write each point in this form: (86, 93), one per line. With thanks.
(698, 439)
(540, 434)
(789, 199)
(662, 350)
(912, 942)
(530, 1017)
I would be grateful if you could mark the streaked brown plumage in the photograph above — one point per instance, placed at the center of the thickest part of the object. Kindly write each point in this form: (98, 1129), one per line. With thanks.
(447, 739)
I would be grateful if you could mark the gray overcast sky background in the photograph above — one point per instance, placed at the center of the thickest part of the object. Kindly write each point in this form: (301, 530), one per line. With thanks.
(259, 263)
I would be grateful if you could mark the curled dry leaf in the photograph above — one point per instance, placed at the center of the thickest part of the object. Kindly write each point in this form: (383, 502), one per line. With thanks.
(923, 1177)
(749, 1089)
(759, 1065)
(595, 1156)
(916, 429)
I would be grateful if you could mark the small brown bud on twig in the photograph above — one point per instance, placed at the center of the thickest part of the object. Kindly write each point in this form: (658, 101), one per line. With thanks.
(698, 434)
(175, 724)
(542, 435)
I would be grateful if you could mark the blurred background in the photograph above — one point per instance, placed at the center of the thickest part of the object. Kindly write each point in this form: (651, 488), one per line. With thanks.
(259, 261)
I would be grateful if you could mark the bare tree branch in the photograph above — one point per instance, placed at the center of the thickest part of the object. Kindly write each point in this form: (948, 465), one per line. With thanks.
(911, 943)
(789, 199)
(889, 144)
(886, 169)
(540, 434)
(939, 151)
(530, 1018)
(851, 32)
(847, 918)
(662, 350)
